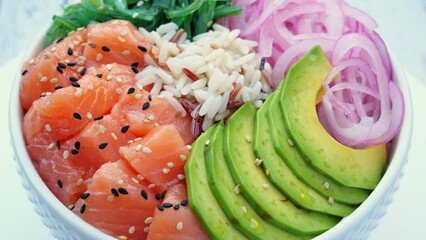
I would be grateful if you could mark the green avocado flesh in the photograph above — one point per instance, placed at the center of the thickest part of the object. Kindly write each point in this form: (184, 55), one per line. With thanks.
(292, 158)
(233, 204)
(361, 168)
(201, 198)
(267, 201)
(281, 175)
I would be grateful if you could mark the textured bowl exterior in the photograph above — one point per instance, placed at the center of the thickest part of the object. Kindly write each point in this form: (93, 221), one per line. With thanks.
(63, 224)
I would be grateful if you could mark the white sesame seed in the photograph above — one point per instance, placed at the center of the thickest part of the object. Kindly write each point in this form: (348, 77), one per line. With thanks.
(79, 69)
(244, 209)
(118, 79)
(183, 157)
(121, 39)
(132, 229)
(43, 79)
(326, 185)
(114, 136)
(135, 15)
(48, 127)
(140, 177)
(118, 91)
(53, 49)
(207, 142)
(121, 181)
(52, 145)
(78, 92)
(65, 155)
(110, 198)
(137, 139)
(39, 76)
(290, 142)
(237, 189)
(48, 104)
(151, 186)
(139, 4)
(109, 78)
(122, 237)
(179, 226)
(265, 186)
(188, 147)
(98, 57)
(138, 147)
(89, 115)
(54, 80)
(151, 118)
(102, 129)
(148, 220)
(80, 181)
(146, 150)
(170, 164)
(108, 67)
(90, 86)
(146, 229)
(135, 180)
(140, 87)
(126, 52)
(258, 162)
(253, 223)
(248, 138)
(180, 176)
(331, 200)
(166, 170)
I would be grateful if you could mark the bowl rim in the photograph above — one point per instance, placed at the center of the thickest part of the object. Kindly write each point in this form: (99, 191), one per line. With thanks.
(395, 167)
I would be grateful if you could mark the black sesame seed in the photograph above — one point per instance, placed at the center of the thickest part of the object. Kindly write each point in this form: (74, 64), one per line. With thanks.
(71, 207)
(58, 144)
(83, 71)
(150, 98)
(99, 75)
(163, 194)
(73, 79)
(62, 65)
(105, 49)
(83, 208)
(98, 118)
(77, 116)
(123, 191)
(58, 87)
(85, 195)
(114, 192)
(135, 64)
(167, 205)
(135, 69)
(131, 90)
(142, 48)
(184, 202)
(145, 106)
(160, 207)
(125, 129)
(59, 40)
(157, 196)
(59, 69)
(69, 51)
(103, 145)
(176, 207)
(74, 152)
(60, 185)
(144, 194)
(24, 72)
(71, 64)
(75, 84)
(77, 145)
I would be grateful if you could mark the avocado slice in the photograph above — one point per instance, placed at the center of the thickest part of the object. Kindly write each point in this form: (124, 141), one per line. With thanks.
(289, 154)
(267, 201)
(233, 204)
(281, 175)
(361, 168)
(201, 199)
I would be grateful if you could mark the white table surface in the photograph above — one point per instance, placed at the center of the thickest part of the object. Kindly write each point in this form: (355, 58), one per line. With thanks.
(402, 24)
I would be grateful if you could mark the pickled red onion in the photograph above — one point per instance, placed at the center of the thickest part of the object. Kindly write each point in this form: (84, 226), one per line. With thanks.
(362, 105)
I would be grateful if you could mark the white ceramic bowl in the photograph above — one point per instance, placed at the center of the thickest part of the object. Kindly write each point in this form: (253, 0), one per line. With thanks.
(65, 225)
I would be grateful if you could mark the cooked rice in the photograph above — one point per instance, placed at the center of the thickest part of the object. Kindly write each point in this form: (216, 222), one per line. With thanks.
(215, 63)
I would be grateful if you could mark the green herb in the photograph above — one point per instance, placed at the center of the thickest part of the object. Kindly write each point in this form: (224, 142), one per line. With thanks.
(194, 16)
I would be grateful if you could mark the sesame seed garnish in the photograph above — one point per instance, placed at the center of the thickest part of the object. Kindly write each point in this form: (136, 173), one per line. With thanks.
(110, 77)
(105, 49)
(160, 207)
(98, 57)
(258, 162)
(54, 80)
(79, 92)
(71, 207)
(118, 79)
(124, 129)
(180, 176)
(237, 189)
(138, 96)
(122, 237)
(59, 69)
(123, 191)
(98, 118)
(65, 155)
(101, 129)
(146, 229)
(135, 64)
(244, 209)
(290, 142)
(59, 40)
(157, 196)
(331, 200)
(108, 67)
(121, 181)
(83, 71)
(267, 172)
(183, 157)
(74, 152)
(52, 145)
(103, 145)
(170, 164)
(77, 116)
(166, 170)
(146, 150)
(126, 52)
(176, 207)
(90, 86)
(62, 65)
(179, 226)
(92, 45)
(135, 180)
(326, 185)
(151, 186)
(142, 48)
(99, 75)
(114, 136)
(139, 4)
(207, 142)
(118, 91)
(132, 229)
(60, 185)
(43, 79)
(262, 64)
(58, 144)
(80, 181)
(167, 205)
(135, 15)
(188, 147)
(131, 90)
(70, 51)
(265, 186)
(184, 202)
(48, 104)
(71, 64)
(144, 194)
(58, 87)
(248, 138)
(163, 194)
(114, 192)
(75, 84)
(110, 198)
(85, 195)
(148, 220)
(140, 177)
(73, 79)
(135, 69)
(138, 147)
(83, 208)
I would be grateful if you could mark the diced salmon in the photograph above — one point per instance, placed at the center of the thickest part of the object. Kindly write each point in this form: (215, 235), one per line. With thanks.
(176, 221)
(116, 202)
(159, 156)
(116, 41)
(45, 71)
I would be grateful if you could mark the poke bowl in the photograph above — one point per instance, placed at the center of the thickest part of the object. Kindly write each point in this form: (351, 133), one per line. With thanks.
(65, 221)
